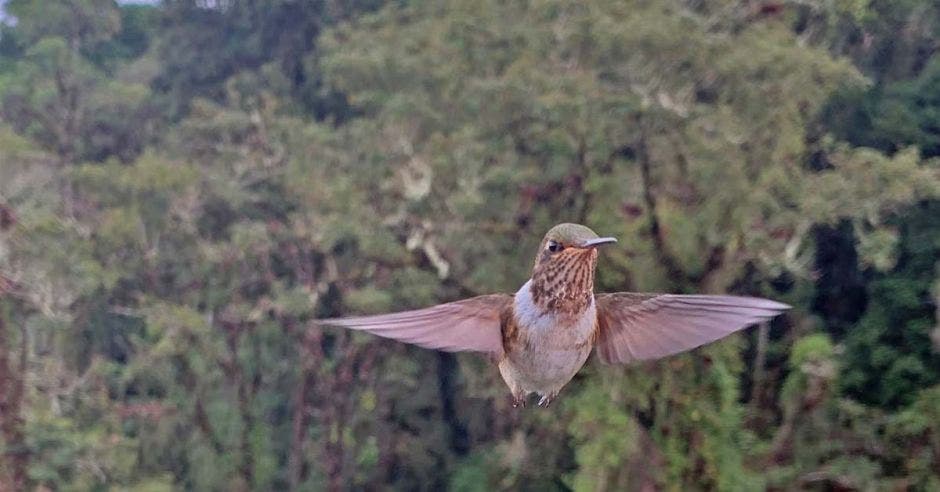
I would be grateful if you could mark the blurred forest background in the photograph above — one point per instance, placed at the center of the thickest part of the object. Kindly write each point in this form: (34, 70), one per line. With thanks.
(185, 185)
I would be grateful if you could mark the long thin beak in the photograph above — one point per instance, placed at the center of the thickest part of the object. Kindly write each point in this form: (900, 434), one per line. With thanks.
(593, 243)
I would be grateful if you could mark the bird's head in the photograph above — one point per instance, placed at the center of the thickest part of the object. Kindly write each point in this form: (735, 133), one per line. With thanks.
(563, 276)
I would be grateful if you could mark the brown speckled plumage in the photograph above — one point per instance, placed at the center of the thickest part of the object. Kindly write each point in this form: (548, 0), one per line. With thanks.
(565, 283)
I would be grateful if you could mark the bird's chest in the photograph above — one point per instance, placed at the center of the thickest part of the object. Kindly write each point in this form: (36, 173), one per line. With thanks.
(548, 348)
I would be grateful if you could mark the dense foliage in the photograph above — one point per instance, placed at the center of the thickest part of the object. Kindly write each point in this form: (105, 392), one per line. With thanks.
(185, 186)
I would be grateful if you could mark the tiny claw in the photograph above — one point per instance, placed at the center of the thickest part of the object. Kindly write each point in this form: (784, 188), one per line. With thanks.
(518, 400)
(546, 400)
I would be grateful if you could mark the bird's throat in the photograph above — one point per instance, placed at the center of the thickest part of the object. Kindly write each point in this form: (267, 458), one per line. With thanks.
(565, 285)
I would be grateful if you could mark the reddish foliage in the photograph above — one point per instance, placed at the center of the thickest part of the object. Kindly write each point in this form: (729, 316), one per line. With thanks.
(150, 411)
(7, 217)
(632, 210)
(771, 8)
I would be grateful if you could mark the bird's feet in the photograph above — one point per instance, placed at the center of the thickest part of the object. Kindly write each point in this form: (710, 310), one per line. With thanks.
(547, 399)
(518, 399)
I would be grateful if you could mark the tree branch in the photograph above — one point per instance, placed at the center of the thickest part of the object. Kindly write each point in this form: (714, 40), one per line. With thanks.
(661, 251)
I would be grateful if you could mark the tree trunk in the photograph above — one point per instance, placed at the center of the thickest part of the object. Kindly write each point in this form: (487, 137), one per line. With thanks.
(15, 455)
(301, 413)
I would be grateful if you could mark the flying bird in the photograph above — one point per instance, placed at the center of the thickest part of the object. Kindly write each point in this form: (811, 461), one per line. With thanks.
(543, 334)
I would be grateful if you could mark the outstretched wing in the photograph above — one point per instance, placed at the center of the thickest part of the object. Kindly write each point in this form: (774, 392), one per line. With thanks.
(634, 327)
(471, 324)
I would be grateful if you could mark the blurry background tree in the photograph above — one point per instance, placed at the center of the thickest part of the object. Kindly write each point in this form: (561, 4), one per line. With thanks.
(184, 186)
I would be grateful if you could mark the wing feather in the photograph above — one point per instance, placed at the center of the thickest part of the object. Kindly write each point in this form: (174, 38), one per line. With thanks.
(634, 327)
(468, 325)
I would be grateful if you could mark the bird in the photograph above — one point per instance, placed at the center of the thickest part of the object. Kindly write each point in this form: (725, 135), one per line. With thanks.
(542, 335)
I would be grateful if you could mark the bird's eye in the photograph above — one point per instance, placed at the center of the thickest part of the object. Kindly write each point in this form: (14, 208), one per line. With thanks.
(555, 247)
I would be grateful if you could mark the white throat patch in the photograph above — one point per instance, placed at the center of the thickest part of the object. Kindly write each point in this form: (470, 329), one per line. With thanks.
(532, 317)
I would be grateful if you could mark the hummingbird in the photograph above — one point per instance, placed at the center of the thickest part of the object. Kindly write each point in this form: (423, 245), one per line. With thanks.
(542, 335)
